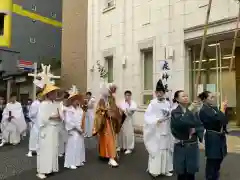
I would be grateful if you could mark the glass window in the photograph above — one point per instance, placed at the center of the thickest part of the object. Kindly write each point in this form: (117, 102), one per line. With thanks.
(148, 70)
(109, 64)
(147, 76)
(34, 8)
(2, 17)
(215, 74)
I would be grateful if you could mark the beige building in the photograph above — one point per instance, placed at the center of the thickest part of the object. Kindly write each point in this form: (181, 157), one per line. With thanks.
(132, 39)
(74, 44)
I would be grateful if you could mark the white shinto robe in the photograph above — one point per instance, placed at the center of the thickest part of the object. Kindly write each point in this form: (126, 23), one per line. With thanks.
(47, 159)
(75, 148)
(126, 135)
(62, 130)
(33, 113)
(157, 137)
(12, 131)
(90, 118)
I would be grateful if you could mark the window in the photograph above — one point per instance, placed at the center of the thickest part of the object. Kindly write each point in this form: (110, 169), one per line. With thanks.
(32, 40)
(109, 67)
(2, 17)
(53, 15)
(147, 72)
(34, 8)
(108, 5)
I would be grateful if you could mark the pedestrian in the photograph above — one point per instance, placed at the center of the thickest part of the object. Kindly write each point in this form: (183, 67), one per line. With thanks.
(49, 121)
(108, 120)
(187, 130)
(2, 106)
(62, 131)
(34, 131)
(13, 124)
(90, 114)
(126, 140)
(75, 116)
(215, 123)
(157, 134)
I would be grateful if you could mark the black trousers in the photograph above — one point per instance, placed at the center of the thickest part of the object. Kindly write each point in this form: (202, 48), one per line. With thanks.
(186, 176)
(212, 171)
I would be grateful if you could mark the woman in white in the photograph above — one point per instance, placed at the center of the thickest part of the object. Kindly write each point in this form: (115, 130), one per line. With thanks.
(49, 121)
(62, 131)
(157, 135)
(75, 116)
(90, 115)
(33, 113)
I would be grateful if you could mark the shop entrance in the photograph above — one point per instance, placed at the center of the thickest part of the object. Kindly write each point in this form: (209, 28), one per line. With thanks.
(215, 74)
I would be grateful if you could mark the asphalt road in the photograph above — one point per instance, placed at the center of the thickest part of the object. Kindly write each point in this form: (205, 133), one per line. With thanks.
(16, 166)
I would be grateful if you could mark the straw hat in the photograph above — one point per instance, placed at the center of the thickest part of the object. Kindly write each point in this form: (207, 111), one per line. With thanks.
(73, 94)
(49, 88)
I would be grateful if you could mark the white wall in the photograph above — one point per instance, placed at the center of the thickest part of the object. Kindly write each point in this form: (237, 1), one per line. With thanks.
(133, 24)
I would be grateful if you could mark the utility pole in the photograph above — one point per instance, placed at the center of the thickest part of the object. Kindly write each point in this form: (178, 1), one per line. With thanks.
(234, 49)
(203, 47)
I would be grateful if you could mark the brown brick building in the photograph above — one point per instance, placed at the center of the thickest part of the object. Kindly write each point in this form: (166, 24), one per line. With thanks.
(74, 44)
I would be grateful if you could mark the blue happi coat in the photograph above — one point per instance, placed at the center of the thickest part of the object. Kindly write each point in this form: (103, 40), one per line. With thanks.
(186, 150)
(214, 122)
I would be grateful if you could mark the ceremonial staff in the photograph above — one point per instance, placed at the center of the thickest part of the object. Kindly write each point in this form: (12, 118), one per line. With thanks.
(202, 48)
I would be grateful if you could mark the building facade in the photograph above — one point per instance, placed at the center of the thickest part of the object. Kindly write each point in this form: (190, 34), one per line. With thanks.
(74, 44)
(30, 30)
(134, 39)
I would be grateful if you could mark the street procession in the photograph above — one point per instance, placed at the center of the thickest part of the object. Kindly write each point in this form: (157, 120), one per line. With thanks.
(60, 121)
(120, 89)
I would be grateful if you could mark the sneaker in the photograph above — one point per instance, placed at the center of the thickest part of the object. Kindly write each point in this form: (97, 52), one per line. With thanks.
(169, 174)
(2, 143)
(112, 163)
(41, 176)
(73, 167)
(29, 154)
(128, 152)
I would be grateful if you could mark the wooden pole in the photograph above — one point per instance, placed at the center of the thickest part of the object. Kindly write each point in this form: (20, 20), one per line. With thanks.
(233, 50)
(235, 40)
(203, 47)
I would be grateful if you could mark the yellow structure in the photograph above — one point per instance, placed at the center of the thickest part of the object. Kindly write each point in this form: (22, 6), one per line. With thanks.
(6, 11)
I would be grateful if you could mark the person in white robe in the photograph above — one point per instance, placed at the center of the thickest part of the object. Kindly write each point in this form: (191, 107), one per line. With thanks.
(90, 115)
(126, 139)
(75, 148)
(49, 121)
(13, 123)
(62, 131)
(157, 134)
(34, 132)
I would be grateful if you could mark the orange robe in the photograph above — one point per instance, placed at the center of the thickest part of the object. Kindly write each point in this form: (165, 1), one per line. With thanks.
(105, 128)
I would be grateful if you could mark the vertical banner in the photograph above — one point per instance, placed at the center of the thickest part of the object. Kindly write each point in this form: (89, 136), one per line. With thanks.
(164, 69)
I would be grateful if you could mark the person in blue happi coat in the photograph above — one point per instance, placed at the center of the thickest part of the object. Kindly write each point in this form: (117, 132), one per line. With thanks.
(215, 123)
(188, 131)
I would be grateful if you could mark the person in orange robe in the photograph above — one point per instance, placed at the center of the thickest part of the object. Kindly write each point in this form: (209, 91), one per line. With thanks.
(107, 124)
